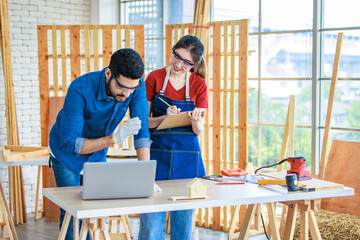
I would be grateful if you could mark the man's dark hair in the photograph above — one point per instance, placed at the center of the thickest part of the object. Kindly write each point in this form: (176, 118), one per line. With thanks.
(128, 63)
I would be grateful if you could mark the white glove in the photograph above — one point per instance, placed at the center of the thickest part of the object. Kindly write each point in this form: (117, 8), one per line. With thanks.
(130, 127)
(156, 188)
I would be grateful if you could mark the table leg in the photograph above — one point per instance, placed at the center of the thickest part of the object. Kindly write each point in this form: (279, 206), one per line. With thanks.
(249, 215)
(272, 221)
(76, 228)
(38, 214)
(304, 225)
(235, 214)
(290, 222)
(65, 226)
(105, 229)
(84, 229)
(313, 226)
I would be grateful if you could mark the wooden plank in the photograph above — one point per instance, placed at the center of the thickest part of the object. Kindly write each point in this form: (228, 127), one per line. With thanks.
(313, 226)
(87, 47)
(225, 98)
(55, 61)
(290, 222)
(334, 77)
(96, 48)
(244, 232)
(343, 167)
(318, 184)
(271, 207)
(232, 97)
(75, 52)
(6, 215)
(243, 88)
(107, 44)
(21, 153)
(139, 41)
(63, 59)
(285, 135)
(304, 225)
(118, 37)
(216, 113)
(43, 83)
(127, 38)
(168, 43)
(291, 127)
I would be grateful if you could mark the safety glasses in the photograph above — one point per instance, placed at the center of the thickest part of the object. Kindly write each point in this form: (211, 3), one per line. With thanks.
(177, 56)
(125, 87)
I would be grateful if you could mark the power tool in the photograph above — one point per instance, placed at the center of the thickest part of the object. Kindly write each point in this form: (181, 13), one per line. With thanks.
(297, 166)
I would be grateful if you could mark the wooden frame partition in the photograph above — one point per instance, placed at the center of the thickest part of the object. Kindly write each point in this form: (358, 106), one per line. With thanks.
(224, 141)
(68, 51)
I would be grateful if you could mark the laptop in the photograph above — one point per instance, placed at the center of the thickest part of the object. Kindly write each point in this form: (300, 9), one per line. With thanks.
(110, 180)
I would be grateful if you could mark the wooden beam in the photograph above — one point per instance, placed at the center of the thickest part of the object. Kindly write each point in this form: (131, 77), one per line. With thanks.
(334, 77)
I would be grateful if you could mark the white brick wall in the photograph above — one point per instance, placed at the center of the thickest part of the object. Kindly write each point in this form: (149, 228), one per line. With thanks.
(24, 16)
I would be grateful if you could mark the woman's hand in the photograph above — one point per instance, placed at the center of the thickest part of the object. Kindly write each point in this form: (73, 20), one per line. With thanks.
(197, 117)
(172, 110)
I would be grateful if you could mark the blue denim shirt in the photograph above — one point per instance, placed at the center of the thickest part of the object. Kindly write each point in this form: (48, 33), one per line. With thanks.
(89, 113)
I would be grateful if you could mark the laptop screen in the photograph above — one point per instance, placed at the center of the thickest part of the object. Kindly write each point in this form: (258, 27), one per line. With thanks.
(120, 179)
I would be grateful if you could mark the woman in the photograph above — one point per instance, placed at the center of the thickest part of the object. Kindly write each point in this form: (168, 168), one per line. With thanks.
(181, 87)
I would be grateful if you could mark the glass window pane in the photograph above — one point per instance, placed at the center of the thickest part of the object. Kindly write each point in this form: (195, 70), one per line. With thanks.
(302, 145)
(237, 9)
(271, 141)
(274, 101)
(346, 106)
(149, 14)
(253, 145)
(286, 55)
(253, 101)
(253, 58)
(343, 13)
(179, 11)
(350, 54)
(279, 15)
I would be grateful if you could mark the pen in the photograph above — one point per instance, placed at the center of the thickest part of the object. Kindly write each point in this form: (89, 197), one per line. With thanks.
(229, 183)
(164, 101)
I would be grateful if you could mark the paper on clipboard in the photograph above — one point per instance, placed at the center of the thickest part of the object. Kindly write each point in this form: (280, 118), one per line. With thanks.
(177, 120)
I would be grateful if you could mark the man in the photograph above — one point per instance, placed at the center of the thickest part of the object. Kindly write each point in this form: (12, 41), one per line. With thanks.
(94, 105)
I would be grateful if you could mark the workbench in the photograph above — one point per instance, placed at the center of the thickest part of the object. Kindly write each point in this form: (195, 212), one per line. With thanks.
(96, 212)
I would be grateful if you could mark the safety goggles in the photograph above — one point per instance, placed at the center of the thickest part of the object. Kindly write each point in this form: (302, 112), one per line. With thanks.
(125, 87)
(177, 56)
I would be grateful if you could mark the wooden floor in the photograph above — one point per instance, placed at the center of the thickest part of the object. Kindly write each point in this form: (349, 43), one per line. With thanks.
(42, 230)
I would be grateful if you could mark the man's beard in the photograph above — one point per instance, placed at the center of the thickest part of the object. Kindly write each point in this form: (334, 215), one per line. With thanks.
(113, 95)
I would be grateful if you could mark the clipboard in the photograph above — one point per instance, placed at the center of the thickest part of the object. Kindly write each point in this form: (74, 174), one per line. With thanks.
(177, 120)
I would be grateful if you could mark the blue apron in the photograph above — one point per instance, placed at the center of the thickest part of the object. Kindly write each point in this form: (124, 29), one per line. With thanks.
(176, 150)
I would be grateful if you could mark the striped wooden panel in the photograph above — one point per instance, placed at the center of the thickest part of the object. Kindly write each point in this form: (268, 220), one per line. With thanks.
(69, 51)
(224, 141)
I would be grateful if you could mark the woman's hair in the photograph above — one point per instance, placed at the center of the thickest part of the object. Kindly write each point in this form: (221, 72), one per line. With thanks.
(196, 48)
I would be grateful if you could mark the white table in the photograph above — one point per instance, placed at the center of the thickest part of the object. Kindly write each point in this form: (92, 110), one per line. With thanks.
(217, 196)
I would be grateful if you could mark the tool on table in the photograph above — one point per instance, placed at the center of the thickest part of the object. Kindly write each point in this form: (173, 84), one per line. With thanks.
(235, 172)
(229, 183)
(221, 181)
(291, 182)
(297, 166)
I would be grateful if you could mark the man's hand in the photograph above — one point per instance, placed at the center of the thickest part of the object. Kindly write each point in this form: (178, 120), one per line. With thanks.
(130, 127)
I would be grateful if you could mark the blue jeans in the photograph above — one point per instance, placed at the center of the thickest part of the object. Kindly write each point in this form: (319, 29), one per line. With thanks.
(65, 177)
(152, 225)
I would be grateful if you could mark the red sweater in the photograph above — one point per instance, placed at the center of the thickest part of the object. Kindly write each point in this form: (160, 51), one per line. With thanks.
(198, 89)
